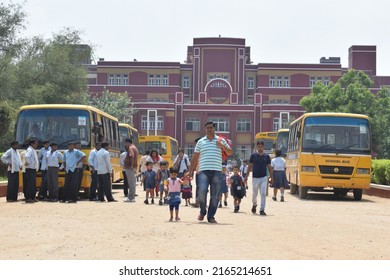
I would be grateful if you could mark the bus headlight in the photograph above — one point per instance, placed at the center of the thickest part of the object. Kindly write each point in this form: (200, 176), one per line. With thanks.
(308, 169)
(365, 171)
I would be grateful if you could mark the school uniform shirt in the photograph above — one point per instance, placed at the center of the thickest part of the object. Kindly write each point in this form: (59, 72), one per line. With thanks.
(31, 158)
(103, 162)
(53, 159)
(183, 163)
(42, 157)
(71, 158)
(278, 164)
(12, 157)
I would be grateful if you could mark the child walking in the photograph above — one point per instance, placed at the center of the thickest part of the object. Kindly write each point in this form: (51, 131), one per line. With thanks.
(224, 187)
(278, 165)
(237, 188)
(173, 188)
(186, 189)
(149, 181)
(162, 177)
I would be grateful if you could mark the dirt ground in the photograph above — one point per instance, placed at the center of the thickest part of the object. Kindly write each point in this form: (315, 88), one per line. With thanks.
(318, 228)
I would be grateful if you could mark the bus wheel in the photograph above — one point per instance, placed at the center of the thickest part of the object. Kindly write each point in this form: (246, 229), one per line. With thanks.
(357, 194)
(293, 189)
(302, 192)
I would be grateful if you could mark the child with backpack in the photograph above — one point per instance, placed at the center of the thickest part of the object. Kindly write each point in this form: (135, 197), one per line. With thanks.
(237, 188)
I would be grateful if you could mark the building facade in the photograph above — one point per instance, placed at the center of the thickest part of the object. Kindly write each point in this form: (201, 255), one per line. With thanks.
(219, 82)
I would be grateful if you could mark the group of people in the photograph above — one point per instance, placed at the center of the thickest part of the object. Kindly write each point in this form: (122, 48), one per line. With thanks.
(168, 185)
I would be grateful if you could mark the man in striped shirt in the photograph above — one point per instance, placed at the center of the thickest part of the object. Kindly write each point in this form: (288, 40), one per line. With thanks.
(208, 151)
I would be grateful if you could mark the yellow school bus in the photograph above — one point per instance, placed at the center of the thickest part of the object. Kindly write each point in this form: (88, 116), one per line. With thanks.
(128, 131)
(64, 123)
(282, 140)
(269, 139)
(166, 146)
(329, 151)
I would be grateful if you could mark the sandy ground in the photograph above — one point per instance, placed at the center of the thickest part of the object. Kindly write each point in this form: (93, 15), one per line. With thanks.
(319, 228)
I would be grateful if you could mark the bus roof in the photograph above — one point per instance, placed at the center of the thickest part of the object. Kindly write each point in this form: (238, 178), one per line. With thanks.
(330, 114)
(67, 106)
(270, 134)
(155, 137)
(127, 126)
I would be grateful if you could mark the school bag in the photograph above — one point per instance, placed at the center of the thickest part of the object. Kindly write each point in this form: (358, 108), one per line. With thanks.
(229, 142)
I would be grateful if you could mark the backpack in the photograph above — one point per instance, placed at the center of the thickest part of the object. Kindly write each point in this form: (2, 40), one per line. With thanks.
(224, 154)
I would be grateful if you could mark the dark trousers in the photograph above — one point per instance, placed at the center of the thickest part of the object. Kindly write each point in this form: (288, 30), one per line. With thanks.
(13, 186)
(125, 184)
(52, 182)
(31, 188)
(71, 187)
(105, 187)
(94, 185)
(80, 171)
(43, 189)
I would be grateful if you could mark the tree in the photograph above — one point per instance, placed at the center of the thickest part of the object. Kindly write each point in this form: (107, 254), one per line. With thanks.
(351, 94)
(117, 104)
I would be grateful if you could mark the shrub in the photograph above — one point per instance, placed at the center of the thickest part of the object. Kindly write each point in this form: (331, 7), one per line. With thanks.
(381, 171)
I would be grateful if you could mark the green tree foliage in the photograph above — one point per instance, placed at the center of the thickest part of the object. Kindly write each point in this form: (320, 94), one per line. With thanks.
(351, 94)
(117, 104)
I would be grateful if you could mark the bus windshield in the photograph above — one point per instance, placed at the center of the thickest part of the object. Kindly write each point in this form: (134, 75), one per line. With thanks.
(281, 141)
(332, 134)
(268, 143)
(160, 147)
(55, 125)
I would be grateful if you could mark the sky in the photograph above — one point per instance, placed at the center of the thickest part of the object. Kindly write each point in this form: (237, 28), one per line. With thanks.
(278, 31)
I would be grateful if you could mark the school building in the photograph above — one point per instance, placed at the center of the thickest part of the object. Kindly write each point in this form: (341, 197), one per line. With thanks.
(219, 82)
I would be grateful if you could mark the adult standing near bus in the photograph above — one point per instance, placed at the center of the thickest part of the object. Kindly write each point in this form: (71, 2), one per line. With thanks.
(181, 163)
(92, 162)
(208, 151)
(130, 166)
(14, 164)
(42, 160)
(259, 162)
(32, 166)
(104, 170)
(80, 166)
(72, 157)
(53, 159)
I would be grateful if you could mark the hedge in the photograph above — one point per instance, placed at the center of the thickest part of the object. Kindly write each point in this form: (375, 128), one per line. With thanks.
(381, 171)
(3, 167)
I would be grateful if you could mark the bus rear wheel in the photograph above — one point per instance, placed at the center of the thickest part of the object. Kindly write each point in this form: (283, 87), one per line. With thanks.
(302, 192)
(357, 194)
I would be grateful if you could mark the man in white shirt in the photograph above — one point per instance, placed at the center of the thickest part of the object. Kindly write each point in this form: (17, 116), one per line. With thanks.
(32, 166)
(104, 171)
(42, 160)
(182, 163)
(14, 164)
(92, 162)
(53, 159)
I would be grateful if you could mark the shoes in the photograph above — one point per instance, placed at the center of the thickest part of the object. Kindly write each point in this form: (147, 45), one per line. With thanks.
(196, 205)
(220, 205)
(29, 201)
(113, 200)
(262, 213)
(282, 199)
(200, 217)
(274, 198)
(102, 200)
(177, 219)
(62, 201)
(225, 203)
(71, 201)
(152, 201)
(93, 199)
(165, 201)
(254, 209)
(236, 208)
(171, 219)
(146, 201)
(53, 200)
(160, 202)
(11, 200)
(129, 200)
(212, 221)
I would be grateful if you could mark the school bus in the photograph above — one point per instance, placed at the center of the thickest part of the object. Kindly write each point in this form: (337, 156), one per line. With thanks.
(269, 139)
(282, 140)
(166, 146)
(64, 123)
(128, 131)
(329, 151)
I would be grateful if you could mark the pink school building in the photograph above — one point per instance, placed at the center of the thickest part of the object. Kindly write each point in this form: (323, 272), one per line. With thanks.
(219, 82)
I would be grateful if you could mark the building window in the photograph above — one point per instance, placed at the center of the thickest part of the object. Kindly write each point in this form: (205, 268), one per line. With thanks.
(223, 76)
(243, 124)
(186, 82)
(275, 124)
(189, 150)
(312, 81)
(324, 80)
(118, 80)
(125, 79)
(272, 81)
(244, 151)
(192, 124)
(151, 80)
(279, 81)
(165, 80)
(251, 83)
(157, 80)
(111, 79)
(286, 81)
(144, 123)
(222, 124)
